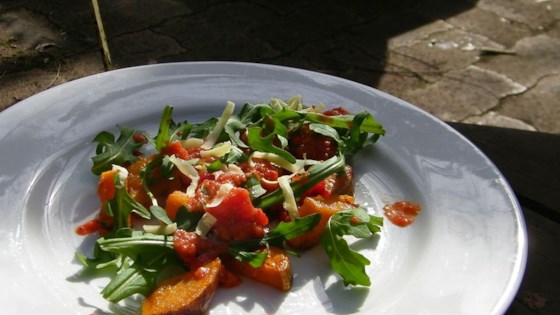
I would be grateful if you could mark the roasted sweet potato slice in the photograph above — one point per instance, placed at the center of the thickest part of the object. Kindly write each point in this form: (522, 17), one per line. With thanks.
(186, 294)
(276, 271)
(326, 207)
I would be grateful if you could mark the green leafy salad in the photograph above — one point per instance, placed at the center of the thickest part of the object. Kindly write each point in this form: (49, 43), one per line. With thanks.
(262, 178)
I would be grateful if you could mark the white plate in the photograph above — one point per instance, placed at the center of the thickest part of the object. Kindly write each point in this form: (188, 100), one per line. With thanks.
(465, 254)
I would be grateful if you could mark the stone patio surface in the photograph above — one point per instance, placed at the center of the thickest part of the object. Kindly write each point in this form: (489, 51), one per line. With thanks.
(493, 62)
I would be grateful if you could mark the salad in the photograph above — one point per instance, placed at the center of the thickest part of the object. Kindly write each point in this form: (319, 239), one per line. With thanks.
(233, 197)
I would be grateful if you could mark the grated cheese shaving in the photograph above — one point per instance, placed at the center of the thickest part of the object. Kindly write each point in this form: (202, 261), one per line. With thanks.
(234, 169)
(219, 150)
(278, 160)
(205, 224)
(123, 174)
(161, 229)
(220, 195)
(192, 143)
(289, 199)
(188, 170)
(215, 133)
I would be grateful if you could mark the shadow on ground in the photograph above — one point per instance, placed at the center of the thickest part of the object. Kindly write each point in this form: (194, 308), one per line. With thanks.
(347, 39)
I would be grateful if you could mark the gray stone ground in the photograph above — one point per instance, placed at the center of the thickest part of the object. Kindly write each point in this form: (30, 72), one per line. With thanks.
(494, 62)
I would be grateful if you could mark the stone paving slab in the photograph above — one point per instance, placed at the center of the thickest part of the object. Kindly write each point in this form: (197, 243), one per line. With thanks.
(493, 62)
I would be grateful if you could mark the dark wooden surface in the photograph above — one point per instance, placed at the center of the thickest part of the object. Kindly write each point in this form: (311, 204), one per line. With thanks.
(530, 161)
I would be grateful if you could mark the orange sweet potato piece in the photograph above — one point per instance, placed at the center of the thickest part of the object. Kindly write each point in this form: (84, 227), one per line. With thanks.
(326, 207)
(174, 201)
(276, 271)
(106, 192)
(186, 294)
(134, 185)
(106, 186)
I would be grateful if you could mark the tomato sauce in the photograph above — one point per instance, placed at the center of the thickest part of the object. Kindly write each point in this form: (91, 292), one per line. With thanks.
(237, 218)
(402, 213)
(91, 226)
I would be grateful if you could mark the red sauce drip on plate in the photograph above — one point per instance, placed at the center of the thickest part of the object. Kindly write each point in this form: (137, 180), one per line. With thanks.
(91, 226)
(402, 213)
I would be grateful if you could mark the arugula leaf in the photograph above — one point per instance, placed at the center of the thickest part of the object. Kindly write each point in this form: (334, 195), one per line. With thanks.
(369, 124)
(286, 114)
(163, 132)
(166, 167)
(187, 220)
(233, 126)
(236, 155)
(214, 166)
(160, 214)
(325, 131)
(287, 230)
(356, 139)
(253, 258)
(202, 129)
(169, 130)
(253, 185)
(274, 126)
(140, 277)
(265, 144)
(252, 114)
(348, 263)
(101, 259)
(180, 131)
(135, 244)
(109, 151)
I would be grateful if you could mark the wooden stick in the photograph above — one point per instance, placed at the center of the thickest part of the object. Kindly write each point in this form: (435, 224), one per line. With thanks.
(102, 37)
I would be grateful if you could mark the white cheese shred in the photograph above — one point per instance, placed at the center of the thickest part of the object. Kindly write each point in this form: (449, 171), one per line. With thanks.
(223, 191)
(289, 199)
(188, 170)
(205, 223)
(215, 133)
(192, 143)
(161, 229)
(123, 174)
(234, 169)
(219, 150)
(278, 160)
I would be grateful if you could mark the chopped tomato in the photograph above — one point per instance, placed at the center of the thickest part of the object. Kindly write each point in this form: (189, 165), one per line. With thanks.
(196, 250)
(177, 149)
(232, 178)
(264, 169)
(318, 190)
(237, 218)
